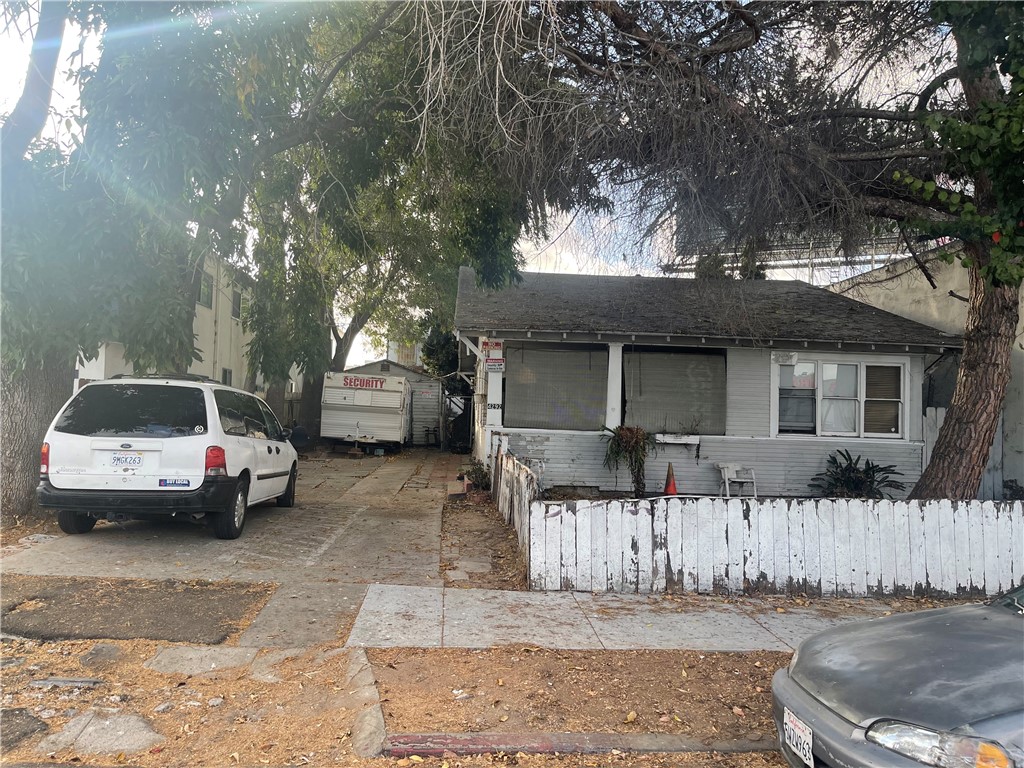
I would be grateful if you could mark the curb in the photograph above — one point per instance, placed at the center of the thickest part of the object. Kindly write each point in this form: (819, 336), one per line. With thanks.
(437, 744)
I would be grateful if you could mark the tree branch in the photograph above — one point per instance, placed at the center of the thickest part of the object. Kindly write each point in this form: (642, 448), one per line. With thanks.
(932, 87)
(891, 154)
(27, 120)
(375, 29)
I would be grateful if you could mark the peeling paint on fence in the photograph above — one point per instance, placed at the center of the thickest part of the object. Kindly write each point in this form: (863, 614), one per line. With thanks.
(514, 488)
(813, 546)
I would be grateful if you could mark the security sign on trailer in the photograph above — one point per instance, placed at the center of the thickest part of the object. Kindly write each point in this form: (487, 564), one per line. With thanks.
(363, 382)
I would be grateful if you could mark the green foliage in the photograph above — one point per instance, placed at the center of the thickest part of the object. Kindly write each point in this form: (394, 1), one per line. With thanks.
(845, 478)
(479, 475)
(984, 145)
(632, 445)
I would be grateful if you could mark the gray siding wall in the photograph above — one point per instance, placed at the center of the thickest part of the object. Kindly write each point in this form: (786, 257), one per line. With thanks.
(748, 393)
(783, 466)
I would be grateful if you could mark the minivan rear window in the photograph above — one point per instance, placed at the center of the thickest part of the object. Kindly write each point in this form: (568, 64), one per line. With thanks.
(123, 410)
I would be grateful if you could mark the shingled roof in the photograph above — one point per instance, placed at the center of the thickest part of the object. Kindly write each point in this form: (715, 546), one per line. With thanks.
(760, 311)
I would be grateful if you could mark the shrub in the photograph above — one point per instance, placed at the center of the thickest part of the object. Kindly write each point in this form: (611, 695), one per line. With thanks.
(479, 475)
(845, 478)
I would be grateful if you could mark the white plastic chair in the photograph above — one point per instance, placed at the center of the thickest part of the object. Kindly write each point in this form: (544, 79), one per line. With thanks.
(736, 475)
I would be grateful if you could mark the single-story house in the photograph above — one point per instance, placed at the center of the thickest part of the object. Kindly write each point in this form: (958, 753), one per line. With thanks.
(770, 375)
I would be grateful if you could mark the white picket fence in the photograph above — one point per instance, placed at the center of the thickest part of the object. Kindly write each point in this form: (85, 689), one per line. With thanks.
(514, 487)
(814, 546)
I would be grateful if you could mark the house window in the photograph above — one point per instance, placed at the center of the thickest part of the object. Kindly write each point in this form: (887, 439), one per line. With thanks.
(385, 367)
(678, 391)
(841, 399)
(555, 386)
(797, 387)
(225, 376)
(236, 304)
(205, 296)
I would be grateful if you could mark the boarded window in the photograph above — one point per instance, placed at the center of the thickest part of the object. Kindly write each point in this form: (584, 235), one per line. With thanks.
(679, 392)
(555, 386)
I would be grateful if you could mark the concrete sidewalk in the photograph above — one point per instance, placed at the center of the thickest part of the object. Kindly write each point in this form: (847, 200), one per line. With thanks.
(427, 617)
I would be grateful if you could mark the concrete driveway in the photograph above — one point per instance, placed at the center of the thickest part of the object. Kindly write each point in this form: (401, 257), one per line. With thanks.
(356, 522)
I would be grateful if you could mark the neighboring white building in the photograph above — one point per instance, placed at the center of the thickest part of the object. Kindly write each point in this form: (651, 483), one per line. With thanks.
(220, 339)
(901, 288)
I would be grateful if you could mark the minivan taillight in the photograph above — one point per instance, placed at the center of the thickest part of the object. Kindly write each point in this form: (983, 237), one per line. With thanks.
(216, 461)
(44, 461)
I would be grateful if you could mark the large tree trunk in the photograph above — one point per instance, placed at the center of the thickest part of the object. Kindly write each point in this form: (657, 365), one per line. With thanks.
(962, 448)
(312, 393)
(344, 341)
(31, 398)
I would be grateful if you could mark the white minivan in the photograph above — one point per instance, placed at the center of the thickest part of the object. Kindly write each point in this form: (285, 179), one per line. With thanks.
(164, 446)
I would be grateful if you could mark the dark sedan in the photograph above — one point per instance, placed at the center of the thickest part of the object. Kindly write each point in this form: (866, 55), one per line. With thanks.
(942, 688)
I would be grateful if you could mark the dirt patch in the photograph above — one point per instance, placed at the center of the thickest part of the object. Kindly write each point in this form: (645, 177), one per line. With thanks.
(14, 529)
(226, 717)
(701, 695)
(479, 550)
(75, 608)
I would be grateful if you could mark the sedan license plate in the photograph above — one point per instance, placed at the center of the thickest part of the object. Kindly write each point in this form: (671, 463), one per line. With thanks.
(798, 737)
(126, 459)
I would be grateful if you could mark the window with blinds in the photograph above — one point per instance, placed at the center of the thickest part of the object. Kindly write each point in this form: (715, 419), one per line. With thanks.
(677, 392)
(555, 386)
(883, 398)
(817, 397)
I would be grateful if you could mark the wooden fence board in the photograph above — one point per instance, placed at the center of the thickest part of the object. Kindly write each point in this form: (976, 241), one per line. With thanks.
(976, 515)
(629, 547)
(780, 533)
(615, 532)
(538, 552)
(584, 556)
(962, 547)
(797, 556)
(676, 555)
(659, 545)
(735, 528)
(947, 547)
(1017, 541)
(645, 548)
(858, 580)
(827, 547)
(690, 558)
(705, 546)
(988, 511)
(599, 547)
(1005, 533)
(567, 547)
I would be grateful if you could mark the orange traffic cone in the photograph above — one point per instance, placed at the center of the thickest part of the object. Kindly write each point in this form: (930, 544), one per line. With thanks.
(670, 482)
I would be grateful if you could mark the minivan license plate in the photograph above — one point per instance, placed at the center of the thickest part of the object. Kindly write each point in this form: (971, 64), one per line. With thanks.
(798, 737)
(122, 459)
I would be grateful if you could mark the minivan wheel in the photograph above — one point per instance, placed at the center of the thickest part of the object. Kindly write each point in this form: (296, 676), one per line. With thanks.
(287, 499)
(229, 522)
(75, 522)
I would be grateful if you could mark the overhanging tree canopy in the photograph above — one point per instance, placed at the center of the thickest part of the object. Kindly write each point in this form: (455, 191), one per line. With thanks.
(734, 123)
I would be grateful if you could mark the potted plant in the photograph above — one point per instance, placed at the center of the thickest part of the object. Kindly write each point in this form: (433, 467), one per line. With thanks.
(631, 445)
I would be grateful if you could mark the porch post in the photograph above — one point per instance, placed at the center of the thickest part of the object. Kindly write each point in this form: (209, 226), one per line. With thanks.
(613, 402)
(494, 351)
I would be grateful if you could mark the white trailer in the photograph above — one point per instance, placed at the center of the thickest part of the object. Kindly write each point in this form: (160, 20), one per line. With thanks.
(366, 409)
